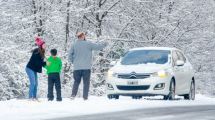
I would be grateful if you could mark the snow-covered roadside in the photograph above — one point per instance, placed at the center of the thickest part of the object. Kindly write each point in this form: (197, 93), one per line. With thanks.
(28, 110)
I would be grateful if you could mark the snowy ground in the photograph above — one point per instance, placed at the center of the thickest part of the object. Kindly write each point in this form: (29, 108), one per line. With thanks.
(28, 110)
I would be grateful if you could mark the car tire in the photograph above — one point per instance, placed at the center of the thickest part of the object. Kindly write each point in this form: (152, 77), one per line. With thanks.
(191, 94)
(136, 97)
(171, 95)
(113, 96)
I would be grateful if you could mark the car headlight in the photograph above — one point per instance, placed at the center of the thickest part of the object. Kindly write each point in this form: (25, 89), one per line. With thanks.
(161, 74)
(111, 74)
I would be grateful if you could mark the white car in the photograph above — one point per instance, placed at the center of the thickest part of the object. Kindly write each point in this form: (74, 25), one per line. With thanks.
(151, 71)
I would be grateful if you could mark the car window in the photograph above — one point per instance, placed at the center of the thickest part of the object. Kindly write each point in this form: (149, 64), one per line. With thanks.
(181, 56)
(185, 60)
(175, 57)
(146, 57)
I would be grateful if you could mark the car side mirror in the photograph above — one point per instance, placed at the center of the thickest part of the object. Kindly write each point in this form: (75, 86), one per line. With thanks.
(180, 63)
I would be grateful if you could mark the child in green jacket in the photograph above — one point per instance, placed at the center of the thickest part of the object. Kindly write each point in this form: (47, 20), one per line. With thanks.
(54, 66)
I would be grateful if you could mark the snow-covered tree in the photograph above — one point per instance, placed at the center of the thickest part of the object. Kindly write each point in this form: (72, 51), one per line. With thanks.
(124, 24)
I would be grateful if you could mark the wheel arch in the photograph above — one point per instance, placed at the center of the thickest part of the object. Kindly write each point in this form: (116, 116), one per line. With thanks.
(173, 79)
(193, 80)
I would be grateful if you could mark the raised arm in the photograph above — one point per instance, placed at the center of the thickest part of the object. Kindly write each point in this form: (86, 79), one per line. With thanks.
(97, 46)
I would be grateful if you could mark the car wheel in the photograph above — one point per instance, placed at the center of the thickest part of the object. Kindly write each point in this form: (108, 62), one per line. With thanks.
(171, 95)
(191, 95)
(136, 97)
(113, 96)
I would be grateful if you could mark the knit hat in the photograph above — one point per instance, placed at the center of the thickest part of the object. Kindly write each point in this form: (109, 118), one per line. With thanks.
(39, 42)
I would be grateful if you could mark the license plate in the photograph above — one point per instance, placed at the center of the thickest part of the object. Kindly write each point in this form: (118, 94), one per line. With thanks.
(132, 82)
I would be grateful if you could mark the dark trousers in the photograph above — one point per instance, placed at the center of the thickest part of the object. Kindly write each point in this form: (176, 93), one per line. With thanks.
(78, 75)
(54, 80)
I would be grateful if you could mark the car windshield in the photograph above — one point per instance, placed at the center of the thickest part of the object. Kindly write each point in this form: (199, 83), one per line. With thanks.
(145, 57)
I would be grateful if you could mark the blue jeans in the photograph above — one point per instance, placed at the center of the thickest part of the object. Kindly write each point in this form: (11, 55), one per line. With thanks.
(33, 82)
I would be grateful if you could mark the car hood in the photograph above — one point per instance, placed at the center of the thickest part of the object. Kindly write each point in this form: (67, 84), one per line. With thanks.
(142, 68)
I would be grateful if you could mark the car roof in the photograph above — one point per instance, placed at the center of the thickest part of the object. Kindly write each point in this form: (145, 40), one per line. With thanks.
(154, 48)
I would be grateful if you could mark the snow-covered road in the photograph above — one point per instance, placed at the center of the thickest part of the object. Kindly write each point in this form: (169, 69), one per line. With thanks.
(163, 113)
(28, 110)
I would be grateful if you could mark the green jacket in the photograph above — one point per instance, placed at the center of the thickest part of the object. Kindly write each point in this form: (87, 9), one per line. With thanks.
(55, 65)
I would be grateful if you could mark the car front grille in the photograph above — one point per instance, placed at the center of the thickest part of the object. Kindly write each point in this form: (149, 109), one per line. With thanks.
(143, 87)
(137, 76)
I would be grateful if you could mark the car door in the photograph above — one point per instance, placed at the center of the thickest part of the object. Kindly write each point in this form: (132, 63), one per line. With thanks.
(187, 75)
(184, 73)
(178, 73)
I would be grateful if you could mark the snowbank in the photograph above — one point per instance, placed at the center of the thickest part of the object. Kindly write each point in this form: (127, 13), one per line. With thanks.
(28, 110)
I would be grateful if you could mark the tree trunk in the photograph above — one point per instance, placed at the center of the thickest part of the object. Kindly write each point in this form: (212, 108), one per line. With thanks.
(66, 64)
(38, 23)
(67, 25)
